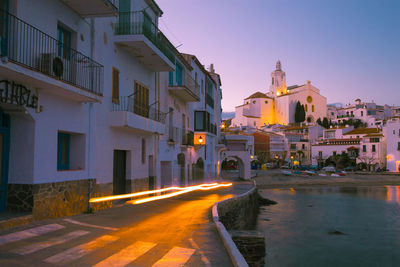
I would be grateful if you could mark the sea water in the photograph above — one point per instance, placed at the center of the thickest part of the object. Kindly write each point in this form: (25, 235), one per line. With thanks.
(332, 226)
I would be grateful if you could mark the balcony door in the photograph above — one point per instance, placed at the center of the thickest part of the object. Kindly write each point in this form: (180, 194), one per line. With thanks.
(124, 17)
(4, 27)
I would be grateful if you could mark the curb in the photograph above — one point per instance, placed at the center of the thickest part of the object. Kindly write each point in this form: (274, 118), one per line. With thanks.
(234, 253)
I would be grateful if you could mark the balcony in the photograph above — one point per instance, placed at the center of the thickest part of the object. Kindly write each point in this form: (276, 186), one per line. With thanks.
(136, 32)
(187, 138)
(94, 8)
(144, 119)
(34, 58)
(188, 90)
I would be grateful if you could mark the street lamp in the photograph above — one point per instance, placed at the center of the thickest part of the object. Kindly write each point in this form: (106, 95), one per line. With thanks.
(200, 140)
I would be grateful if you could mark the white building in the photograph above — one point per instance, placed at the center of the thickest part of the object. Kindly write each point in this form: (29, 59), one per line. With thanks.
(279, 104)
(368, 112)
(87, 105)
(392, 133)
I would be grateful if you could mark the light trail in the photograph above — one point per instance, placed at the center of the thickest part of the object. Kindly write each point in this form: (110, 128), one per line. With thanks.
(186, 190)
(181, 190)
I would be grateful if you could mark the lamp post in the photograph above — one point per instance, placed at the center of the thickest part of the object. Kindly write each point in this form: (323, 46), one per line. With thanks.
(200, 140)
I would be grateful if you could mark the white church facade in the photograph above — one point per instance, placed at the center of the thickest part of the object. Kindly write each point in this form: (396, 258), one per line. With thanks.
(279, 104)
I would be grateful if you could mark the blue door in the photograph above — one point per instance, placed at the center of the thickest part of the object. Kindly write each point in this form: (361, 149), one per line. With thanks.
(4, 155)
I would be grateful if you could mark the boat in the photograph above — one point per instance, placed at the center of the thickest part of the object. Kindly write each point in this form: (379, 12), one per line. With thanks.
(287, 173)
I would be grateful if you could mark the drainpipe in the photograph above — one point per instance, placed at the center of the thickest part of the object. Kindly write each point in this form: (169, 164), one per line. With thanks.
(90, 121)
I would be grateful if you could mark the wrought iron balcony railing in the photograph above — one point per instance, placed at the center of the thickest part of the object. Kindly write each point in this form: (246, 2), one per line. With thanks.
(127, 103)
(28, 46)
(138, 22)
(189, 83)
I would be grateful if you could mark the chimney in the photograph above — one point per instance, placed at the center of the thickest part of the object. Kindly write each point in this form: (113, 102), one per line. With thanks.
(212, 68)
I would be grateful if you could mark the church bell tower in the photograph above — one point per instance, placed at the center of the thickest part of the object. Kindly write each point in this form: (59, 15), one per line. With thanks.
(278, 81)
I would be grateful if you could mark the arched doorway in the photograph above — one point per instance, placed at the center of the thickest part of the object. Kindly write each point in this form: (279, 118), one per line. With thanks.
(232, 167)
(198, 170)
(181, 163)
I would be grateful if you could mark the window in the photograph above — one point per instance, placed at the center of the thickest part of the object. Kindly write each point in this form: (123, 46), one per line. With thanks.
(115, 85)
(312, 108)
(352, 114)
(201, 121)
(272, 80)
(143, 151)
(364, 148)
(293, 146)
(254, 101)
(210, 93)
(373, 148)
(65, 40)
(320, 154)
(398, 146)
(362, 113)
(255, 123)
(332, 113)
(306, 107)
(303, 146)
(71, 151)
(266, 101)
(63, 151)
(374, 140)
(334, 153)
(394, 131)
(141, 100)
(202, 86)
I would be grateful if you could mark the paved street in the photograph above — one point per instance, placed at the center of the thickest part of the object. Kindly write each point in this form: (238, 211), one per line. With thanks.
(172, 232)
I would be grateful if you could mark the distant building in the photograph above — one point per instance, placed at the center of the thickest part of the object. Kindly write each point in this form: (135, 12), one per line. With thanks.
(392, 133)
(278, 105)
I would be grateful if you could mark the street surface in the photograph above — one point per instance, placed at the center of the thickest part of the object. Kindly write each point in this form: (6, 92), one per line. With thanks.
(173, 232)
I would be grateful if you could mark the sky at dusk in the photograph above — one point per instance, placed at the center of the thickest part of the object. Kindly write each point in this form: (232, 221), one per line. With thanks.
(347, 48)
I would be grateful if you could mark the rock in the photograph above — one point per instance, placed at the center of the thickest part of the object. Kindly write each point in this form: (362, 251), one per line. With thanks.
(336, 232)
(265, 201)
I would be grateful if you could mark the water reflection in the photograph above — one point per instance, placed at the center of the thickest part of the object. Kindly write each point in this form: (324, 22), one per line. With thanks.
(389, 193)
(298, 228)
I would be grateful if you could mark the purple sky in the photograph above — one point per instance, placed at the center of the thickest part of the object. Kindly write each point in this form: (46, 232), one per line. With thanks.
(348, 48)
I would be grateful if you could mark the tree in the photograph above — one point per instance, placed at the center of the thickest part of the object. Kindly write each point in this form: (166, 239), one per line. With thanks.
(319, 121)
(325, 123)
(300, 113)
(297, 113)
(303, 114)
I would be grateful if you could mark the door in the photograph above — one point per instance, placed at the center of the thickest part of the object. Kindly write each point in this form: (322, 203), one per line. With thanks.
(166, 175)
(4, 154)
(151, 173)
(119, 172)
(397, 166)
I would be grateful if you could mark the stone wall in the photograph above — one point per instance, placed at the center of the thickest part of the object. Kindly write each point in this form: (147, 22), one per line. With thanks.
(19, 197)
(52, 200)
(239, 213)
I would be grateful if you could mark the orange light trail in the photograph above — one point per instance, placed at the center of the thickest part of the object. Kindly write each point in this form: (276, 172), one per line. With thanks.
(184, 191)
(181, 190)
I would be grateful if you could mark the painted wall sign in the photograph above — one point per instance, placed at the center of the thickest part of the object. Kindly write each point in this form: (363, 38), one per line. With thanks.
(17, 94)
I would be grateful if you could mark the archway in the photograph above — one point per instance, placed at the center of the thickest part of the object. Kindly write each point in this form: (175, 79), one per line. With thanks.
(181, 163)
(233, 167)
(198, 170)
(310, 119)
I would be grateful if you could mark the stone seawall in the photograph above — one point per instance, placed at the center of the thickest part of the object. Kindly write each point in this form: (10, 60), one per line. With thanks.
(234, 218)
